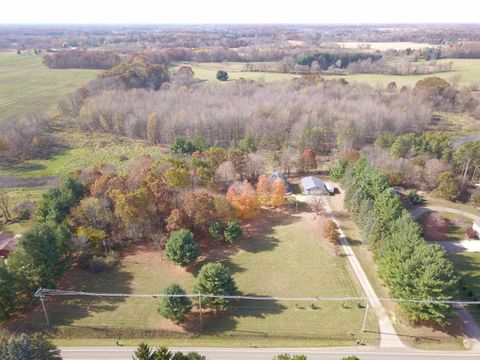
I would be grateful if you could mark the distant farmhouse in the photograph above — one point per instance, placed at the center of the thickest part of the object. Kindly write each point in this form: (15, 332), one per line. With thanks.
(279, 175)
(312, 185)
(8, 243)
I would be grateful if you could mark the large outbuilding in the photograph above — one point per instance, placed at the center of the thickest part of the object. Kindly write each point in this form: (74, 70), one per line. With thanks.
(312, 185)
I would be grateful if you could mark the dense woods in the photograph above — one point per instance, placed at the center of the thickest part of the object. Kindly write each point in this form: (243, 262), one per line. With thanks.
(81, 59)
(318, 116)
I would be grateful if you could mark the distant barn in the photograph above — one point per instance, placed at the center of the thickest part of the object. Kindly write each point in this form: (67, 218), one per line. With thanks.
(8, 243)
(279, 175)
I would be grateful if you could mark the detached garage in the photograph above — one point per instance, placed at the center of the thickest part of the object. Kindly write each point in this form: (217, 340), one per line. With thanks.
(312, 185)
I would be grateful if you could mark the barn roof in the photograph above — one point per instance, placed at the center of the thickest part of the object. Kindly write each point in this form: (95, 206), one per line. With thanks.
(279, 175)
(7, 241)
(312, 182)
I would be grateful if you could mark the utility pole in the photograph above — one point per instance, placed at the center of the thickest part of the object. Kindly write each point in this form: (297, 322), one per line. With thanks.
(43, 306)
(201, 315)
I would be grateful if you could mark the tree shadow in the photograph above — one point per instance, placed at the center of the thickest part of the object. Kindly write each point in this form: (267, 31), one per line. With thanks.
(216, 323)
(66, 310)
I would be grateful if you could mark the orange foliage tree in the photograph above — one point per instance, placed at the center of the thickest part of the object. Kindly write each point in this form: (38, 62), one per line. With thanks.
(278, 194)
(244, 199)
(264, 190)
(330, 230)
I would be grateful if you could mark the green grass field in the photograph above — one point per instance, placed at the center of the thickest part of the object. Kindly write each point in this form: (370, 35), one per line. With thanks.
(467, 69)
(281, 255)
(468, 265)
(26, 85)
(84, 150)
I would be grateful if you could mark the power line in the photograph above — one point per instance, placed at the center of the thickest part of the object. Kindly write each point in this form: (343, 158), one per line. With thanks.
(71, 293)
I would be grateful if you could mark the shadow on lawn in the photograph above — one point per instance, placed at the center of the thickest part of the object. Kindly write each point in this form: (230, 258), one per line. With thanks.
(65, 310)
(222, 322)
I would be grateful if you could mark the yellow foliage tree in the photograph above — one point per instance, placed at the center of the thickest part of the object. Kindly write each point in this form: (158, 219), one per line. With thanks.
(244, 199)
(277, 197)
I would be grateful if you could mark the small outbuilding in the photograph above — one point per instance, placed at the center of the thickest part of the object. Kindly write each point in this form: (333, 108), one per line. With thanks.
(279, 175)
(476, 227)
(312, 185)
(8, 243)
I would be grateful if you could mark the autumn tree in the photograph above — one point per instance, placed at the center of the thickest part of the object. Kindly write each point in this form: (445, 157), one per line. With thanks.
(200, 208)
(153, 128)
(278, 193)
(244, 199)
(330, 231)
(308, 160)
(264, 190)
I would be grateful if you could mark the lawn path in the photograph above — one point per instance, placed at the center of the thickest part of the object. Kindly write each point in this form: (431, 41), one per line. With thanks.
(388, 335)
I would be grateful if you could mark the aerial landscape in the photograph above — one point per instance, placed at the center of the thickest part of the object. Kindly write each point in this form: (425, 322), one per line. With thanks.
(275, 184)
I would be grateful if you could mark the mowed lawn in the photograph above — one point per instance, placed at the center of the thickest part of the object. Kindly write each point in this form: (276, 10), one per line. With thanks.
(468, 265)
(282, 255)
(26, 85)
(467, 69)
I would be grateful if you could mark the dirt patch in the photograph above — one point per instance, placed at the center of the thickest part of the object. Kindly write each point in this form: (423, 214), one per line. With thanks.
(439, 228)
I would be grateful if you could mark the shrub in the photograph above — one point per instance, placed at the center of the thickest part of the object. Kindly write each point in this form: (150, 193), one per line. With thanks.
(414, 198)
(233, 231)
(100, 263)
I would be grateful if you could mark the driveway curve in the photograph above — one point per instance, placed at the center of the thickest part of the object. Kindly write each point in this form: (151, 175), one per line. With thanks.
(472, 329)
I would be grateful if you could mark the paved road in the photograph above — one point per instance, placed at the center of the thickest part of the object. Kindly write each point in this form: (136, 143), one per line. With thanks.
(388, 335)
(268, 354)
(472, 329)
(464, 139)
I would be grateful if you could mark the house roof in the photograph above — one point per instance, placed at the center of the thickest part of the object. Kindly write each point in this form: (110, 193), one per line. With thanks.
(7, 241)
(279, 175)
(312, 182)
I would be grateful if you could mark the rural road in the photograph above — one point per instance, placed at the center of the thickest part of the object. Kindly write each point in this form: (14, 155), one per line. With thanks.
(120, 353)
(388, 335)
(472, 329)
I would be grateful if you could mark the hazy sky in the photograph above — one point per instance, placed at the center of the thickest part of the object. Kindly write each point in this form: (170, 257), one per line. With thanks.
(239, 11)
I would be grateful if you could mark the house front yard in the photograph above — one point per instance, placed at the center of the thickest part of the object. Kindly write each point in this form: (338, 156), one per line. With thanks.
(282, 254)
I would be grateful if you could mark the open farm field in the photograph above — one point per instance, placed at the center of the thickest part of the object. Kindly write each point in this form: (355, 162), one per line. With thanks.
(26, 85)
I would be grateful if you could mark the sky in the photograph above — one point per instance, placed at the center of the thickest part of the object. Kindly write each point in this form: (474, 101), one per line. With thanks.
(239, 11)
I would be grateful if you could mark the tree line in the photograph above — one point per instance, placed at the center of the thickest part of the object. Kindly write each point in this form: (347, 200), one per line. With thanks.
(410, 266)
(81, 59)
